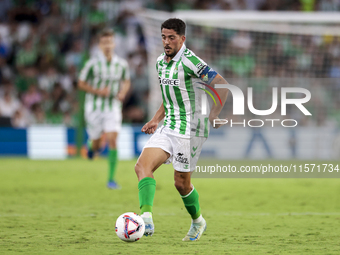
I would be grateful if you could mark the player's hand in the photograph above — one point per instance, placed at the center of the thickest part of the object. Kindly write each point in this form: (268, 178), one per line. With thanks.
(216, 122)
(105, 92)
(120, 96)
(150, 127)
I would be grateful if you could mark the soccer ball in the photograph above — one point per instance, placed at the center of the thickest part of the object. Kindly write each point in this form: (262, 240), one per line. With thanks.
(130, 227)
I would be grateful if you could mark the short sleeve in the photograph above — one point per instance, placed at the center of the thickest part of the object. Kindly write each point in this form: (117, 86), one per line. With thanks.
(198, 68)
(194, 63)
(86, 71)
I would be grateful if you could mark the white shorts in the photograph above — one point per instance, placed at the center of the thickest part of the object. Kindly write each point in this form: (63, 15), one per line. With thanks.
(184, 152)
(98, 122)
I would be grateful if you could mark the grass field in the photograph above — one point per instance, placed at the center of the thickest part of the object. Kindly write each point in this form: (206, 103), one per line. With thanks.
(52, 207)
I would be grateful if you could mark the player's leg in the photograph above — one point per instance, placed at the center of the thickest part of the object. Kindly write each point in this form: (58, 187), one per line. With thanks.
(149, 160)
(187, 152)
(92, 147)
(112, 126)
(95, 144)
(112, 158)
(190, 199)
(94, 131)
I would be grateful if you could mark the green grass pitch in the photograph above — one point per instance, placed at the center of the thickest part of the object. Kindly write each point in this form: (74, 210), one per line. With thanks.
(64, 207)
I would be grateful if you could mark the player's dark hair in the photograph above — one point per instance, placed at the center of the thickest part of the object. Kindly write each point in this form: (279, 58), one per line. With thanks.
(177, 25)
(106, 32)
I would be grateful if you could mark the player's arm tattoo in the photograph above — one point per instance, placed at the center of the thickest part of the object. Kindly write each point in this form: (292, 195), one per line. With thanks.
(223, 94)
(178, 174)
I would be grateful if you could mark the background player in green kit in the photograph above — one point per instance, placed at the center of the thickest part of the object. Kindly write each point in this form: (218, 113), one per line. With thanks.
(179, 141)
(106, 80)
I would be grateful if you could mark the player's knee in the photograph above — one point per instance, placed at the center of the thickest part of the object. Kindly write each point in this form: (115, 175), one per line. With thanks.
(139, 169)
(113, 144)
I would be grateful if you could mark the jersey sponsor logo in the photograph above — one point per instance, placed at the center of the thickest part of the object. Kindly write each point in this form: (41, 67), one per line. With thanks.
(169, 82)
(181, 159)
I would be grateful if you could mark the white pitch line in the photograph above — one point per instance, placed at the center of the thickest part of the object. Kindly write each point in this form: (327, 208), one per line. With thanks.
(285, 214)
(173, 214)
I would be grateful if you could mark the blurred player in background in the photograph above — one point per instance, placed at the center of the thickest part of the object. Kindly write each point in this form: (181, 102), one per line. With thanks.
(106, 81)
(179, 141)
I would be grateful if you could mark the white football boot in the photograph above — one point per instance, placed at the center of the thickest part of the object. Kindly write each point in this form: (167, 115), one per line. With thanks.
(149, 226)
(196, 230)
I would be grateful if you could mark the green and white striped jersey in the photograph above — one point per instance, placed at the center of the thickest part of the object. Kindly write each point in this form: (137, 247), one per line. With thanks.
(181, 85)
(100, 73)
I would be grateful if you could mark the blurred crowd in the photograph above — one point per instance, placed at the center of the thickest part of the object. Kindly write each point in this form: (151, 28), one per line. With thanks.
(260, 5)
(44, 43)
(43, 46)
(265, 60)
(259, 54)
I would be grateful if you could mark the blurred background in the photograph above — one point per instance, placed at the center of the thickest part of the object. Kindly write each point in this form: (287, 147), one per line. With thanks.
(44, 44)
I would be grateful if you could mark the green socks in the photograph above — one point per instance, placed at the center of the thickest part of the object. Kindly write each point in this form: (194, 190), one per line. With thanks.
(89, 144)
(147, 189)
(112, 164)
(191, 203)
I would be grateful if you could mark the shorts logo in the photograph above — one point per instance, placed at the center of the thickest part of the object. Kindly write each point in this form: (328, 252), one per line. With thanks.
(186, 167)
(181, 159)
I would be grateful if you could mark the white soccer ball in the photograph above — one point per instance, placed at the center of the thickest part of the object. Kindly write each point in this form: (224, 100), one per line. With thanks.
(130, 227)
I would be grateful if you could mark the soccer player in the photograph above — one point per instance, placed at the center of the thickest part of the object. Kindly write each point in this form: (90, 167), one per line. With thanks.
(106, 80)
(179, 141)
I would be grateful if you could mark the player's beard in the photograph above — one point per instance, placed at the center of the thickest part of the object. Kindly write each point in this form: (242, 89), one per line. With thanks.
(170, 55)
